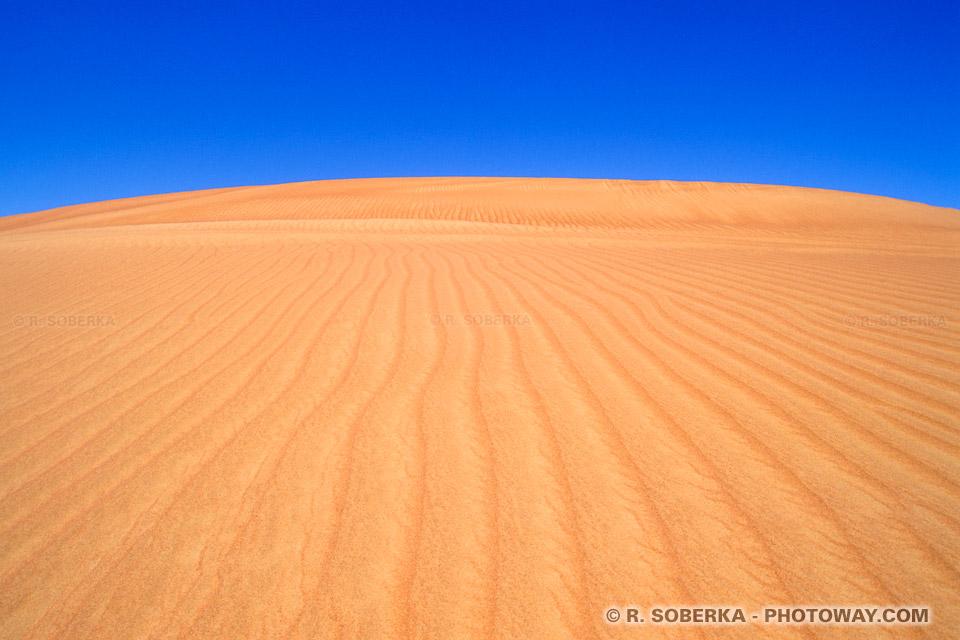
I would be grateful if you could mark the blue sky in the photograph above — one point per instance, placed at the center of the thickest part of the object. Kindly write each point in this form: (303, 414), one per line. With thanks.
(108, 100)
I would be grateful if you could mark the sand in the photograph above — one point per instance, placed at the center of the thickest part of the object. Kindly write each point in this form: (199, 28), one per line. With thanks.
(476, 408)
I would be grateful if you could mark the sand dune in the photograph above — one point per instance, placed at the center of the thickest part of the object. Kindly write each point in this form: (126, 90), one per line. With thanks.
(476, 408)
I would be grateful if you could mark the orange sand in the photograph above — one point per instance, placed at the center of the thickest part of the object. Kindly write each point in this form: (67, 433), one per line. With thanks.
(262, 413)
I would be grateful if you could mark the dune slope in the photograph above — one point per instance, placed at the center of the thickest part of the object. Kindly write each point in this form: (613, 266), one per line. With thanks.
(476, 408)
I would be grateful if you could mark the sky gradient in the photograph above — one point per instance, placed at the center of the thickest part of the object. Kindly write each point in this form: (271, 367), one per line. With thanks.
(110, 100)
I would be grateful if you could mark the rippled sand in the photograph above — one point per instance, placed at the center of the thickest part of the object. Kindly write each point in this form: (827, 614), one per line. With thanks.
(476, 408)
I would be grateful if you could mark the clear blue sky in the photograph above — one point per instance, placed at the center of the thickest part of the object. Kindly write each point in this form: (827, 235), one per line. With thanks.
(108, 100)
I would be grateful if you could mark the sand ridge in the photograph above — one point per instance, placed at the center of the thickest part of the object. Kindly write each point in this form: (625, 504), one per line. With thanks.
(476, 408)
(551, 202)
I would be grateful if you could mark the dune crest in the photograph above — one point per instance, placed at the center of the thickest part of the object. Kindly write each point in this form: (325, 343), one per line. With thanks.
(476, 408)
(551, 202)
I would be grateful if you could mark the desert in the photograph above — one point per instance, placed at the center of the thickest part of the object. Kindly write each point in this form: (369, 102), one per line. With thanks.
(478, 408)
